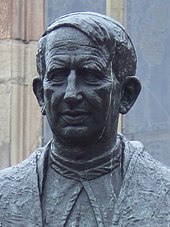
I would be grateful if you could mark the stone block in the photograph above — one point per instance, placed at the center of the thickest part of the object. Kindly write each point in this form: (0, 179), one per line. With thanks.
(18, 16)
(35, 19)
(23, 62)
(5, 100)
(17, 61)
(25, 113)
(5, 19)
(5, 63)
(25, 123)
(28, 19)
(20, 118)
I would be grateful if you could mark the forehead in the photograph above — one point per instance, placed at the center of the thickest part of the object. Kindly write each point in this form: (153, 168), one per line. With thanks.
(66, 36)
(67, 43)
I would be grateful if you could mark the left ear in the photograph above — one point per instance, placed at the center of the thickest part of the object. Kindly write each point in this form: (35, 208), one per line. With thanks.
(130, 91)
(38, 91)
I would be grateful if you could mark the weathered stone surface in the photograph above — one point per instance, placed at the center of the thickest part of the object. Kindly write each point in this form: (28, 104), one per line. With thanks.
(24, 15)
(20, 119)
(17, 19)
(5, 64)
(25, 124)
(5, 19)
(5, 99)
(35, 13)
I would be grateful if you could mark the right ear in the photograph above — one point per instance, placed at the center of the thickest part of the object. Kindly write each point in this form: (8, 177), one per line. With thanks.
(38, 91)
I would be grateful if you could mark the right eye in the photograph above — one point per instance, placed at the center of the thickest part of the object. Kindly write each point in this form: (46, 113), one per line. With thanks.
(58, 75)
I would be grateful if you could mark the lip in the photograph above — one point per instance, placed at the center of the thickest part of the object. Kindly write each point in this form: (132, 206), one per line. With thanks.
(74, 117)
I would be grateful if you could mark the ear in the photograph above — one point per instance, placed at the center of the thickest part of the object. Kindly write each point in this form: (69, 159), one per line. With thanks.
(130, 91)
(38, 91)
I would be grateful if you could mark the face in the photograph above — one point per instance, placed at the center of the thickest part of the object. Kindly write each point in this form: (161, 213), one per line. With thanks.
(81, 93)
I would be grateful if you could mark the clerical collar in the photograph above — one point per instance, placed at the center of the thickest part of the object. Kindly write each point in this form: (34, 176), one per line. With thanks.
(90, 169)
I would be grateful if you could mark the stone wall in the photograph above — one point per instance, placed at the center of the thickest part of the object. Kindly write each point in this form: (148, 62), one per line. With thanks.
(21, 24)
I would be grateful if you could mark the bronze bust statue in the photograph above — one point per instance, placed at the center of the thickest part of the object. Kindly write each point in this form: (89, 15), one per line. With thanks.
(88, 174)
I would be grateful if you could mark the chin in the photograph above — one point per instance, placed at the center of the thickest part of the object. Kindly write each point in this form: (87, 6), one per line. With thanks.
(75, 136)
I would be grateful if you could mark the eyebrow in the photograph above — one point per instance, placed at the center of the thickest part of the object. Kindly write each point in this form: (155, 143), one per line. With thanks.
(92, 64)
(55, 62)
(83, 61)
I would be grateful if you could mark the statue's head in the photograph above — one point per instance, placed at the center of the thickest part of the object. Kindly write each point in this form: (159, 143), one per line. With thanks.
(86, 64)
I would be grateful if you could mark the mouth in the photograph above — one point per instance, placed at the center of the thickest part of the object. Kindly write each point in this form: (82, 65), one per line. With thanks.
(74, 118)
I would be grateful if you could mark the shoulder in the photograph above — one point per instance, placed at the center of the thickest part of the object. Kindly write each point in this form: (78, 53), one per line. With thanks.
(19, 174)
(149, 173)
(136, 150)
(19, 191)
(148, 164)
(146, 185)
(140, 166)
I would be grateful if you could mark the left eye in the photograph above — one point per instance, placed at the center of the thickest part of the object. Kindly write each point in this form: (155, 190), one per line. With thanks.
(90, 76)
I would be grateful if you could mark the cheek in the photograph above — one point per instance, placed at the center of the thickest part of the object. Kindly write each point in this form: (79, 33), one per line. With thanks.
(53, 96)
(99, 98)
(109, 96)
(104, 94)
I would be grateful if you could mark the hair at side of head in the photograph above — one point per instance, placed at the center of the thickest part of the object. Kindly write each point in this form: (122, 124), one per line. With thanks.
(102, 31)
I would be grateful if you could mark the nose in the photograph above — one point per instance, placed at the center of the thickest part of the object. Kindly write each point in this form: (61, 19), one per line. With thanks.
(71, 94)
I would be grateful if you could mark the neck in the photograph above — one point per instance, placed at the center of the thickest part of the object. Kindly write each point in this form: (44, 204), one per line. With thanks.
(86, 152)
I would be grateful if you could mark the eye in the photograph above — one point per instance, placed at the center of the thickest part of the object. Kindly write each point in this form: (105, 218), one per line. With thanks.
(58, 75)
(90, 76)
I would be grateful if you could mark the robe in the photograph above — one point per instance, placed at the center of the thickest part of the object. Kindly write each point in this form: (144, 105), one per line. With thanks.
(143, 199)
